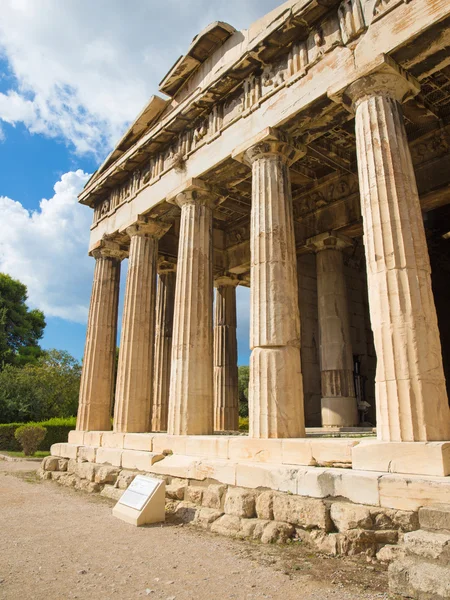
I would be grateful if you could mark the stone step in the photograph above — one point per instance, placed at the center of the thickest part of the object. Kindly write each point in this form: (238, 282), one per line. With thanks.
(431, 545)
(412, 577)
(435, 517)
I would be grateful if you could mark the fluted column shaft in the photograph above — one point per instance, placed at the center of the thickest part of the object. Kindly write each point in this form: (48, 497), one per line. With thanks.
(97, 376)
(135, 369)
(226, 392)
(275, 388)
(411, 397)
(339, 406)
(165, 299)
(191, 407)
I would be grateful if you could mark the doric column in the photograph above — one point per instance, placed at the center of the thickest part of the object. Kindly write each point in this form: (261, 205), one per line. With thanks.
(191, 404)
(339, 408)
(411, 397)
(165, 298)
(226, 393)
(135, 370)
(97, 377)
(275, 390)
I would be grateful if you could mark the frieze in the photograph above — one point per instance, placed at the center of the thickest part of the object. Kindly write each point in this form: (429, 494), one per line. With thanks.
(338, 28)
(435, 146)
(324, 194)
(382, 7)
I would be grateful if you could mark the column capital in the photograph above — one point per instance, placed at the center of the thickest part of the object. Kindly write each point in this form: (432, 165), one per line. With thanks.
(226, 279)
(381, 77)
(166, 266)
(108, 248)
(196, 191)
(329, 241)
(270, 142)
(145, 226)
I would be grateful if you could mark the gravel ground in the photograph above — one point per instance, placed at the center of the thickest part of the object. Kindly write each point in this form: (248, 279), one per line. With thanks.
(57, 544)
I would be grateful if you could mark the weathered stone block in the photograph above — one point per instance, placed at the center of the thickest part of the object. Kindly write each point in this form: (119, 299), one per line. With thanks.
(206, 516)
(112, 456)
(175, 491)
(50, 463)
(432, 545)
(56, 475)
(350, 516)
(276, 532)
(106, 474)
(308, 513)
(356, 541)
(419, 579)
(227, 525)
(86, 470)
(264, 506)
(328, 543)
(389, 553)
(240, 503)
(386, 536)
(212, 496)
(109, 491)
(124, 479)
(86, 453)
(137, 459)
(185, 512)
(194, 494)
(62, 464)
(435, 517)
(88, 486)
(45, 474)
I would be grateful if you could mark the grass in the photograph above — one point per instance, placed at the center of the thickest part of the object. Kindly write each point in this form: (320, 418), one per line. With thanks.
(39, 454)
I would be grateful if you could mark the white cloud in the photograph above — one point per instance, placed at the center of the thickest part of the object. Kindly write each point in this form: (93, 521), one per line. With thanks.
(46, 249)
(82, 69)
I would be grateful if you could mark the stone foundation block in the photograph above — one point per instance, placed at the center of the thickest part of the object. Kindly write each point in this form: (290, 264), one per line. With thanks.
(264, 506)
(185, 512)
(176, 491)
(138, 441)
(62, 464)
(221, 470)
(435, 517)
(124, 479)
(389, 553)
(412, 492)
(308, 513)
(240, 503)
(56, 475)
(93, 438)
(326, 543)
(106, 475)
(112, 439)
(194, 494)
(174, 465)
(227, 525)
(50, 463)
(76, 437)
(112, 456)
(88, 486)
(206, 516)
(432, 545)
(276, 532)
(45, 475)
(85, 470)
(350, 516)
(419, 580)
(142, 461)
(64, 450)
(87, 453)
(212, 496)
(387, 536)
(109, 491)
(254, 475)
(357, 541)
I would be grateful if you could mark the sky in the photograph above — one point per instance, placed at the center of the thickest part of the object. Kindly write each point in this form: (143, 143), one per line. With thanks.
(73, 75)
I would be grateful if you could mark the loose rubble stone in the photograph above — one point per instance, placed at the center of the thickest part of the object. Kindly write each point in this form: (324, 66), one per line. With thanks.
(350, 516)
(240, 503)
(308, 513)
(389, 553)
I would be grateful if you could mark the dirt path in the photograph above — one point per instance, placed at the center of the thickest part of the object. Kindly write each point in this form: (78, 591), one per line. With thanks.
(56, 544)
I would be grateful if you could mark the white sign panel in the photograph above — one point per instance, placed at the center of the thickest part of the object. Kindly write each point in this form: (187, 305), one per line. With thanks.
(139, 491)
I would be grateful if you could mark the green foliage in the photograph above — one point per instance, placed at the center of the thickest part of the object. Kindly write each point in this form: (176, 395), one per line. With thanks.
(29, 437)
(243, 380)
(20, 327)
(40, 391)
(243, 423)
(57, 431)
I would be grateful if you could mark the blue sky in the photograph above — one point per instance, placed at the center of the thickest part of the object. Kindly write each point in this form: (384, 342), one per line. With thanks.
(73, 75)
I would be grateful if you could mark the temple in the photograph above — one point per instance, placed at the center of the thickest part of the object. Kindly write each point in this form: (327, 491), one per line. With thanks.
(308, 159)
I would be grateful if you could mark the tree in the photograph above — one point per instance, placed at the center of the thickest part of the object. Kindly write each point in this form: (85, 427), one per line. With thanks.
(243, 380)
(37, 392)
(20, 327)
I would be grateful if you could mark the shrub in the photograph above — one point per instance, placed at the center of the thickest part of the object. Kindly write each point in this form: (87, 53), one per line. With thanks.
(243, 423)
(29, 437)
(57, 431)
